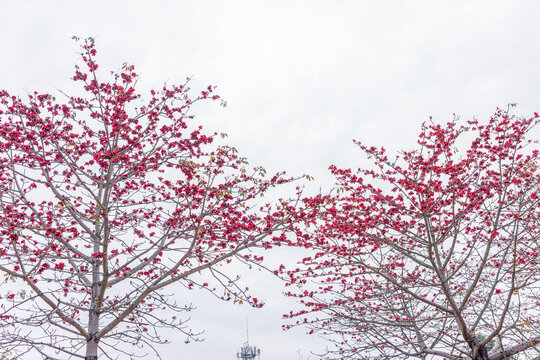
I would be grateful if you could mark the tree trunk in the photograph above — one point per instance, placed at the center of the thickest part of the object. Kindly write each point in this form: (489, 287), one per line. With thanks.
(93, 318)
(482, 353)
(93, 313)
(91, 349)
(92, 343)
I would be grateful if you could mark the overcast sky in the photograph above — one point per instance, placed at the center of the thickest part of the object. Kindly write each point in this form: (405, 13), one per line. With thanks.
(302, 79)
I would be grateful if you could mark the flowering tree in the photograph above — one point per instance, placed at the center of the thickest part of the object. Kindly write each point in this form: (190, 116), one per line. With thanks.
(105, 201)
(434, 254)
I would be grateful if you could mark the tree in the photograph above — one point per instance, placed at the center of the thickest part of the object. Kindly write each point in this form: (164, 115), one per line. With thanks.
(434, 254)
(106, 201)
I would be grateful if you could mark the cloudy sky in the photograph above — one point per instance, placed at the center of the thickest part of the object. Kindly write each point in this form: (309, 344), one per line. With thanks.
(302, 79)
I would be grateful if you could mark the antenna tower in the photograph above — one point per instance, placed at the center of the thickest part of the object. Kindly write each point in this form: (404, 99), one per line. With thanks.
(248, 352)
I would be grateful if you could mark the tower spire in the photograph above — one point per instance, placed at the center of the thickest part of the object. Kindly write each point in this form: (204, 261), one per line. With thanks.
(247, 331)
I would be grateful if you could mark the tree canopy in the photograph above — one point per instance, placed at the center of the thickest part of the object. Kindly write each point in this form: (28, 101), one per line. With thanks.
(109, 199)
(433, 254)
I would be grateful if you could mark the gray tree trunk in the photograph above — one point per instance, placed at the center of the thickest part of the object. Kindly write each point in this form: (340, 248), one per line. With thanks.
(91, 350)
(93, 316)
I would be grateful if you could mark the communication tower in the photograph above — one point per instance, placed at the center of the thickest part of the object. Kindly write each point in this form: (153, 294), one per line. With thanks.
(248, 352)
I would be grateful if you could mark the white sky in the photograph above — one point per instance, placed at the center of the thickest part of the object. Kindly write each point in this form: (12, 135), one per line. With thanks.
(302, 79)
